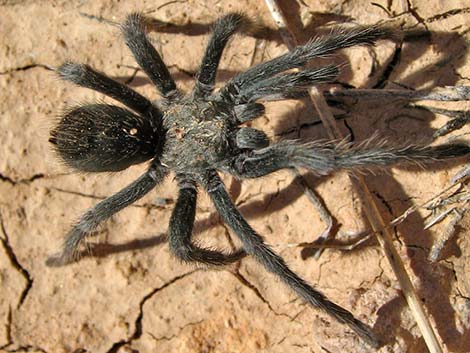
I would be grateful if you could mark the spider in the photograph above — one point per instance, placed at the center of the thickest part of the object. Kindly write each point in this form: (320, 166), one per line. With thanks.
(198, 135)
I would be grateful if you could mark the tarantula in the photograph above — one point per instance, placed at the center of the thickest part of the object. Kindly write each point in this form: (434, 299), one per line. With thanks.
(199, 134)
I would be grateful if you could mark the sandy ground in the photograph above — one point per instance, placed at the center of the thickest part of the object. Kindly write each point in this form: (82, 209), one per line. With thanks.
(131, 295)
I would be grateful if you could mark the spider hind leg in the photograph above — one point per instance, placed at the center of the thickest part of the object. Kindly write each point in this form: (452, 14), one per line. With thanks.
(103, 210)
(181, 228)
(255, 246)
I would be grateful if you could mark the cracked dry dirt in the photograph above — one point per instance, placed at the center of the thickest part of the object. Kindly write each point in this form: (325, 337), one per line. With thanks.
(132, 295)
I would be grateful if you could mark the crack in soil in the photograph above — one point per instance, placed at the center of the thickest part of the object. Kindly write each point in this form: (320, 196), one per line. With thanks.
(448, 14)
(165, 203)
(456, 279)
(459, 75)
(138, 322)
(8, 329)
(388, 71)
(5, 240)
(352, 136)
(304, 126)
(384, 202)
(367, 284)
(27, 348)
(29, 180)
(248, 198)
(244, 281)
(415, 14)
(26, 67)
(180, 329)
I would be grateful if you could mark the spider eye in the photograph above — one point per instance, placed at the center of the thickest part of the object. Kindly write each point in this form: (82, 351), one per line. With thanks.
(103, 138)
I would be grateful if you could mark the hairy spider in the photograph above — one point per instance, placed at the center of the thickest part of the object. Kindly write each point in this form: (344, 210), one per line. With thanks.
(199, 134)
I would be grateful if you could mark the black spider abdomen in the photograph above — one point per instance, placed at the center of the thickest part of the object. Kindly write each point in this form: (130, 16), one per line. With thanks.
(100, 137)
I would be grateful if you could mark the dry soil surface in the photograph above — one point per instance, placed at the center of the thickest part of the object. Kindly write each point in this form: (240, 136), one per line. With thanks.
(130, 294)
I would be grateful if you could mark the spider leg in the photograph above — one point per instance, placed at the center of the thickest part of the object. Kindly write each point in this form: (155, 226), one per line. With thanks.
(254, 245)
(105, 209)
(300, 55)
(249, 138)
(146, 55)
(224, 28)
(324, 158)
(84, 76)
(181, 227)
(247, 112)
(286, 85)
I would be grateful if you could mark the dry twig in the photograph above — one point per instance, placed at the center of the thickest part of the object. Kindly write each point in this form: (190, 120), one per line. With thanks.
(442, 94)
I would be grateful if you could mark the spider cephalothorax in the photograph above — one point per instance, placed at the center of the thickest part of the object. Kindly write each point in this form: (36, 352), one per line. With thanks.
(198, 135)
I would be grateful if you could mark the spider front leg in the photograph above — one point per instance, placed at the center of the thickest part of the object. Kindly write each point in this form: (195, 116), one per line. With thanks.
(105, 209)
(84, 76)
(223, 29)
(301, 55)
(181, 227)
(325, 157)
(285, 86)
(146, 55)
(255, 246)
